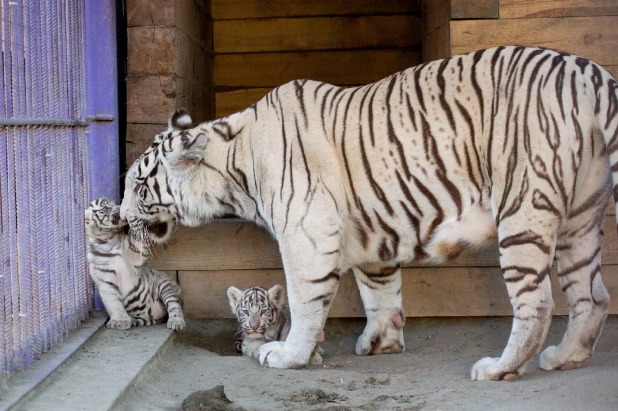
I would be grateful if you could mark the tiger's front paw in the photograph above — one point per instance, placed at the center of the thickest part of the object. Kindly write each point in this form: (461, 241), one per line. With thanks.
(275, 355)
(385, 338)
(490, 369)
(121, 323)
(176, 323)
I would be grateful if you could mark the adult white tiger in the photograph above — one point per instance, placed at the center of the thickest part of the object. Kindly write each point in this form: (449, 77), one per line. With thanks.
(511, 141)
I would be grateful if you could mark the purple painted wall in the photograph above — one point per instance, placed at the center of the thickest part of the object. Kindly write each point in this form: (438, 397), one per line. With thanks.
(102, 97)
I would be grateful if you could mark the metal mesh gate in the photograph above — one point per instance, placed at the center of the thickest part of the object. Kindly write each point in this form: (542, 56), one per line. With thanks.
(45, 289)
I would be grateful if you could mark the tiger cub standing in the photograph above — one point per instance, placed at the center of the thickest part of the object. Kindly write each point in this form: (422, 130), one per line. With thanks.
(262, 317)
(133, 295)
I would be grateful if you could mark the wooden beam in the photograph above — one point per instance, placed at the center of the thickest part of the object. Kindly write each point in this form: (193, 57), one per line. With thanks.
(259, 9)
(478, 9)
(230, 102)
(345, 67)
(517, 9)
(245, 246)
(427, 292)
(595, 38)
(436, 29)
(318, 33)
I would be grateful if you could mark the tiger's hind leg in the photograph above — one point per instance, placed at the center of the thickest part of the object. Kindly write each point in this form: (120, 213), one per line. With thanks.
(578, 256)
(380, 290)
(527, 242)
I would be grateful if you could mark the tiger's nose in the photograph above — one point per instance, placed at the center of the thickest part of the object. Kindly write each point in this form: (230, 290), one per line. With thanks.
(254, 324)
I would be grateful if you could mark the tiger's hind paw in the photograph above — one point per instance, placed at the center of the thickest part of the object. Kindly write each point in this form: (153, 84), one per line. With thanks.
(176, 323)
(490, 369)
(382, 339)
(549, 360)
(275, 355)
(119, 323)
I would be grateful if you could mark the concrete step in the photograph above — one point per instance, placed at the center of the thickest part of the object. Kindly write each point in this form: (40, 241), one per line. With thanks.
(97, 375)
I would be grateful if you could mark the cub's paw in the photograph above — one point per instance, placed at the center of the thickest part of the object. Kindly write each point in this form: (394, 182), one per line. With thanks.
(316, 358)
(319, 350)
(549, 360)
(275, 355)
(121, 323)
(490, 369)
(176, 323)
(385, 338)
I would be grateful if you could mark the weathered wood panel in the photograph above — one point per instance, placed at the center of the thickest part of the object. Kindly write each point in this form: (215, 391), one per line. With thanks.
(595, 38)
(478, 9)
(318, 33)
(258, 9)
(347, 67)
(230, 102)
(428, 292)
(235, 245)
(516, 9)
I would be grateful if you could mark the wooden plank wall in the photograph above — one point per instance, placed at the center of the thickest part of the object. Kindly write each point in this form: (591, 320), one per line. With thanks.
(583, 27)
(210, 259)
(259, 45)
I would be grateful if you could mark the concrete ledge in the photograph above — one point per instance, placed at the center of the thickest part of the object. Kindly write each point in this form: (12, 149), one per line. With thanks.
(97, 375)
(21, 385)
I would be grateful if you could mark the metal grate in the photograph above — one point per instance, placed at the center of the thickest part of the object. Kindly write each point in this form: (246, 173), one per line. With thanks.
(45, 177)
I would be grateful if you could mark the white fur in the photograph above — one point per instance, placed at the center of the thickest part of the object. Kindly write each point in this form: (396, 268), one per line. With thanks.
(418, 166)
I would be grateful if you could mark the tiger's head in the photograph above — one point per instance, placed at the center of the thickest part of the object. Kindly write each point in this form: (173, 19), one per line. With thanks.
(174, 181)
(256, 308)
(102, 218)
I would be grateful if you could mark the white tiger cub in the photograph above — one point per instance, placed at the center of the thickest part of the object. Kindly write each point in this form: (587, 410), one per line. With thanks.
(133, 295)
(262, 317)
(512, 145)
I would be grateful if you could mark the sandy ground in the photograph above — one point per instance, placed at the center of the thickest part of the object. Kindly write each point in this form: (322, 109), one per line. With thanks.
(432, 374)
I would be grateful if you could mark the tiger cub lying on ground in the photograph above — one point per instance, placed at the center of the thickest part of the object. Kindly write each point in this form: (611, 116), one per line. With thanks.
(133, 295)
(262, 317)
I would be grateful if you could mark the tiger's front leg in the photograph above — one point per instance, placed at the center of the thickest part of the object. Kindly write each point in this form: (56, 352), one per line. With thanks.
(118, 317)
(380, 290)
(310, 253)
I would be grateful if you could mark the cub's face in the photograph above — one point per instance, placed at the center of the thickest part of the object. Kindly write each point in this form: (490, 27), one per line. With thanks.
(256, 308)
(102, 217)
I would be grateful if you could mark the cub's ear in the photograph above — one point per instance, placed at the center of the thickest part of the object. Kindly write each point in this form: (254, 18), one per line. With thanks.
(234, 295)
(277, 295)
(180, 120)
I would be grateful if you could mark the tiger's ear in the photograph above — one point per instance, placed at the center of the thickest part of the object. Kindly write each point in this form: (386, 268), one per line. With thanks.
(180, 120)
(189, 152)
(277, 295)
(234, 295)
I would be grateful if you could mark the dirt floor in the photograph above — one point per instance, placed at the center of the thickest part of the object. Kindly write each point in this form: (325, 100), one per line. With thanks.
(432, 374)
